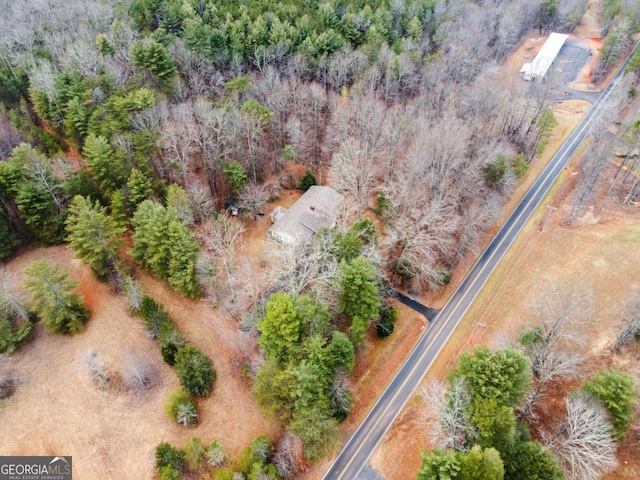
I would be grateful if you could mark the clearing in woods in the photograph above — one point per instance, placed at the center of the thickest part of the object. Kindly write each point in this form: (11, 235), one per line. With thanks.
(112, 432)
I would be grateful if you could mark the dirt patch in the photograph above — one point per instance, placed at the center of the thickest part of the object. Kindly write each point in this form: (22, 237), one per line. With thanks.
(112, 432)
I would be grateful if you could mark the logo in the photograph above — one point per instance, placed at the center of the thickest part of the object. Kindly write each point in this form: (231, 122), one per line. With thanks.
(35, 468)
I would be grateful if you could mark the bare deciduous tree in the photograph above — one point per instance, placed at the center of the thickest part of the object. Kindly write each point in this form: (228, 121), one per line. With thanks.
(12, 300)
(288, 456)
(179, 134)
(133, 292)
(446, 414)
(353, 172)
(253, 199)
(7, 384)
(421, 234)
(584, 443)
(307, 267)
(139, 374)
(630, 326)
(221, 238)
(553, 337)
(97, 368)
(9, 136)
(200, 202)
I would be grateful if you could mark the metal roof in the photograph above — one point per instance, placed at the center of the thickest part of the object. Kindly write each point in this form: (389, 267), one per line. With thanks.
(545, 57)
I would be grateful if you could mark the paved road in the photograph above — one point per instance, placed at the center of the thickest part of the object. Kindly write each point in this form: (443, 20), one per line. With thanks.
(357, 451)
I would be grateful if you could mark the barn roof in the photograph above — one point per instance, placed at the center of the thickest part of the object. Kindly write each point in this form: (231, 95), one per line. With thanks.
(313, 210)
(545, 57)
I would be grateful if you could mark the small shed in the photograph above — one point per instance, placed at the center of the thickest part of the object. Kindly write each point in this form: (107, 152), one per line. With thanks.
(545, 57)
(315, 209)
(231, 207)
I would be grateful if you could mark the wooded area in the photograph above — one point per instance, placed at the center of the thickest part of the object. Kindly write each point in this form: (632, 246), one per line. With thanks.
(134, 123)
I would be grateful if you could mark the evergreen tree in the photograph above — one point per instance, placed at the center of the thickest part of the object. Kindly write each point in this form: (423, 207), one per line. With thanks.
(152, 56)
(139, 189)
(181, 273)
(93, 235)
(317, 429)
(177, 198)
(280, 327)
(617, 391)
(37, 192)
(149, 235)
(162, 243)
(8, 238)
(495, 423)
(439, 465)
(40, 213)
(358, 296)
(53, 298)
(105, 47)
(76, 120)
(195, 371)
(481, 464)
(341, 351)
(527, 460)
(105, 168)
(235, 175)
(502, 375)
(307, 181)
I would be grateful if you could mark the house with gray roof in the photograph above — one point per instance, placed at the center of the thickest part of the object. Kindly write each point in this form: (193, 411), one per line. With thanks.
(315, 209)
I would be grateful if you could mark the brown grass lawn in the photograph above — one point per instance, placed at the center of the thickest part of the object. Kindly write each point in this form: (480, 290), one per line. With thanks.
(112, 433)
(604, 256)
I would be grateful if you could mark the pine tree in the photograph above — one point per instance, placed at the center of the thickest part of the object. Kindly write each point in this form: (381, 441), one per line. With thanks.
(501, 375)
(106, 170)
(358, 296)
(37, 192)
(139, 188)
(152, 56)
(144, 242)
(481, 464)
(235, 175)
(93, 235)
(617, 391)
(8, 239)
(184, 252)
(439, 465)
(162, 243)
(195, 371)
(76, 120)
(280, 327)
(53, 298)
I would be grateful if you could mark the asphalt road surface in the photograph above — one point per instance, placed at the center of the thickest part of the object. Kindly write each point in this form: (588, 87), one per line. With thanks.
(428, 313)
(359, 448)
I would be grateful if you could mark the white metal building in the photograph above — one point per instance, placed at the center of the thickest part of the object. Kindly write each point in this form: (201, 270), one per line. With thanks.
(547, 54)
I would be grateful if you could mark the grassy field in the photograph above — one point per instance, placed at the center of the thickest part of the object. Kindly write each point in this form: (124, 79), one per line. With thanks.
(110, 431)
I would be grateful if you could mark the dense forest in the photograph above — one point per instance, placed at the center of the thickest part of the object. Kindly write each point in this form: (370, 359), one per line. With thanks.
(134, 122)
(371, 98)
